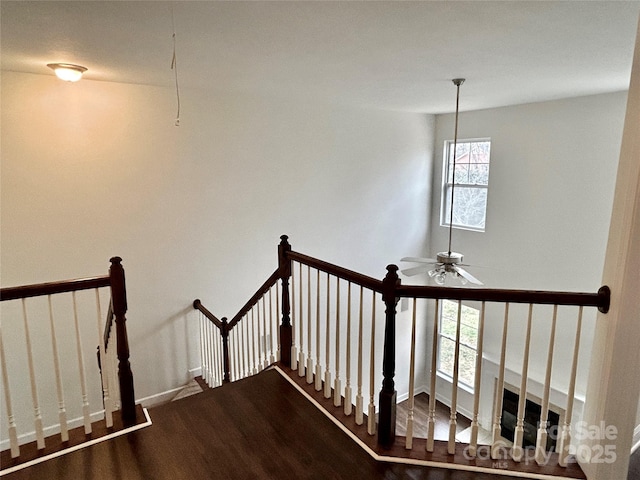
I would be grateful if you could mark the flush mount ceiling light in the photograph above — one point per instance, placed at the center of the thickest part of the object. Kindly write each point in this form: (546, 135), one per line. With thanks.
(67, 71)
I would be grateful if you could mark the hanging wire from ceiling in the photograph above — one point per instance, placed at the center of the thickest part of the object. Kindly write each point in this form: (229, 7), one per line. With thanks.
(174, 65)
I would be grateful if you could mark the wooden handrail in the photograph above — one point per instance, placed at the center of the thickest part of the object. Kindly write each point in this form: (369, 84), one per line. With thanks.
(264, 288)
(337, 271)
(601, 299)
(197, 305)
(51, 288)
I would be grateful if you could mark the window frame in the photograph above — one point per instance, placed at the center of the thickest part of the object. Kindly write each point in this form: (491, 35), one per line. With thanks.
(447, 186)
(441, 335)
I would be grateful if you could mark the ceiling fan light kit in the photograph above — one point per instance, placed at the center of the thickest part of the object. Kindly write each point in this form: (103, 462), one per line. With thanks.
(446, 262)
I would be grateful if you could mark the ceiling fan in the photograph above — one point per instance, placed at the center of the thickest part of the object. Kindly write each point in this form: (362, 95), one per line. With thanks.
(448, 262)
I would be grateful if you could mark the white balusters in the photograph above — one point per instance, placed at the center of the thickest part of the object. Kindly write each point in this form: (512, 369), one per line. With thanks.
(371, 412)
(565, 435)
(348, 406)
(32, 377)
(541, 441)
(412, 366)
(265, 348)
(359, 399)
(106, 397)
(301, 371)
(62, 413)
(258, 340)
(517, 450)
(327, 372)
(337, 398)
(431, 420)
(278, 311)
(318, 372)
(13, 434)
(473, 442)
(496, 440)
(272, 358)
(451, 444)
(309, 329)
(294, 326)
(83, 383)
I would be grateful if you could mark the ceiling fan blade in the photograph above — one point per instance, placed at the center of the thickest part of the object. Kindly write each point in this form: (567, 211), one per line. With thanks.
(418, 260)
(409, 272)
(466, 275)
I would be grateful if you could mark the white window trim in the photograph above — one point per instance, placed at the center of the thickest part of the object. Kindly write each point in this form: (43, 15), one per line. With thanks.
(444, 220)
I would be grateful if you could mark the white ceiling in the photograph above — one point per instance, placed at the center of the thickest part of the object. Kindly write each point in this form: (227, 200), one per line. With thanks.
(397, 55)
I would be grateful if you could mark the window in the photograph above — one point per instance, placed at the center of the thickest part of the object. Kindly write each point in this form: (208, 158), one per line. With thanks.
(471, 183)
(469, 318)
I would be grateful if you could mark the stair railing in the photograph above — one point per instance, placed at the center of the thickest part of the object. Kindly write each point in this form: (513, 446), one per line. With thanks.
(38, 360)
(322, 322)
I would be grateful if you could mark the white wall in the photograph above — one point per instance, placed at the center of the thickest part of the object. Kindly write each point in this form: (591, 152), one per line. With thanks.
(551, 185)
(96, 169)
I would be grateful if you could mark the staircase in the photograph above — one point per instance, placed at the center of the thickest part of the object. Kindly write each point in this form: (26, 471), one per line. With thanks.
(331, 334)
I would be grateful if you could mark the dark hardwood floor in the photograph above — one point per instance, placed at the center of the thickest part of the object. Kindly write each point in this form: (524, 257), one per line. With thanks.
(257, 428)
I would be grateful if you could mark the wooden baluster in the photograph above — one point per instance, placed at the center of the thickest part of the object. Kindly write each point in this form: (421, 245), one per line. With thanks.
(388, 394)
(371, 411)
(359, 399)
(106, 398)
(125, 376)
(226, 365)
(265, 349)
(318, 372)
(541, 441)
(348, 406)
(254, 359)
(215, 356)
(258, 340)
(327, 372)
(453, 418)
(207, 352)
(32, 377)
(565, 435)
(309, 337)
(473, 444)
(243, 348)
(203, 356)
(11, 421)
(412, 367)
(278, 309)
(62, 413)
(496, 440)
(517, 450)
(301, 371)
(337, 397)
(286, 334)
(294, 325)
(431, 420)
(272, 357)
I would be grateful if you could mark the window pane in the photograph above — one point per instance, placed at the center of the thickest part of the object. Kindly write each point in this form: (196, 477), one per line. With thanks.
(478, 174)
(445, 359)
(467, 365)
(469, 206)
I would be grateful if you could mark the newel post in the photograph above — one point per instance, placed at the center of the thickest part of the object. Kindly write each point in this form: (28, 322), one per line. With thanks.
(224, 331)
(388, 394)
(125, 376)
(284, 267)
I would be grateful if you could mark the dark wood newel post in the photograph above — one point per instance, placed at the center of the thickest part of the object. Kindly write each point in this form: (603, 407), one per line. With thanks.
(284, 267)
(224, 331)
(388, 394)
(125, 376)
